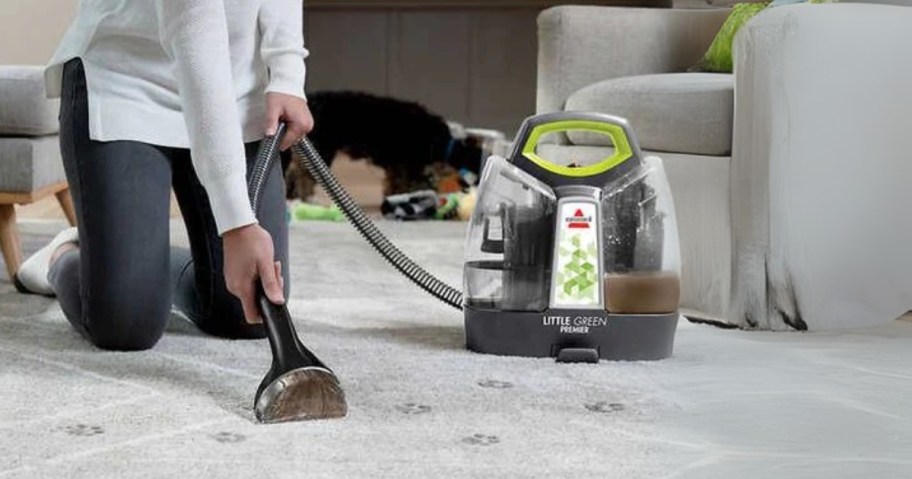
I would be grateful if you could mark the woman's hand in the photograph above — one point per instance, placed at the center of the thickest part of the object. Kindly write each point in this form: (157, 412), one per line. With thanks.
(293, 111)
(249, 258)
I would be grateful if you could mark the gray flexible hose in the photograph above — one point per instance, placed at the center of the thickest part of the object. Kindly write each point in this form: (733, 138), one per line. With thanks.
(314, 164)
(266, 159)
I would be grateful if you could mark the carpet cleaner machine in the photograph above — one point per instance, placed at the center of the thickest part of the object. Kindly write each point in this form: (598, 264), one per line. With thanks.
(578, 262)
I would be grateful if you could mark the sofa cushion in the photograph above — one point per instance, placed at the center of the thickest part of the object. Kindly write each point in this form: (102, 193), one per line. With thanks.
(29, 164)
(24, 108)
(675, 112)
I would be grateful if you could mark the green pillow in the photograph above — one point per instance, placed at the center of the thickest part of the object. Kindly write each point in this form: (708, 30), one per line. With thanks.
(719, 56)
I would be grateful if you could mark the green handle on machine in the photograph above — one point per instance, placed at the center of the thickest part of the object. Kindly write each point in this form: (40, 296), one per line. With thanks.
(616, 128)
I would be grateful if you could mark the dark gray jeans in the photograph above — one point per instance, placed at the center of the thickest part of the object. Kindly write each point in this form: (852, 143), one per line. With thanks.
(118, 288)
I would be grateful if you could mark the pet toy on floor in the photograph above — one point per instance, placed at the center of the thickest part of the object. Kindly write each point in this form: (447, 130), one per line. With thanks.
(310, 212)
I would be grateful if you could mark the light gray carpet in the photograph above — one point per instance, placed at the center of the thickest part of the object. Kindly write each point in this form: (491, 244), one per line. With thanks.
(729, 404)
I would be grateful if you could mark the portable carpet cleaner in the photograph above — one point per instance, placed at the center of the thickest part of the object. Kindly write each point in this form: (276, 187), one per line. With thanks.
(578, 262)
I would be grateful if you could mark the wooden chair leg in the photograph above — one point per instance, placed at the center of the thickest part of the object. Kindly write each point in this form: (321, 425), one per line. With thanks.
(66, 202)
(9, 239)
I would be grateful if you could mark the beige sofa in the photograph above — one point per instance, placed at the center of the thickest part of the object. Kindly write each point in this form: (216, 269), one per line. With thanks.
(788, 176)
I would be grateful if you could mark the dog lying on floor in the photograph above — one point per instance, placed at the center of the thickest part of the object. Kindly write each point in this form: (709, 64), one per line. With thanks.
(403, 138)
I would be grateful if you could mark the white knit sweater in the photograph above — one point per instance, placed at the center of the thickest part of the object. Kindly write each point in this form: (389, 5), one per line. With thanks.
(188, 74)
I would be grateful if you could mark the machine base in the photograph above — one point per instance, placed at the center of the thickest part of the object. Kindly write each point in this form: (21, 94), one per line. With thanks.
(547, 334)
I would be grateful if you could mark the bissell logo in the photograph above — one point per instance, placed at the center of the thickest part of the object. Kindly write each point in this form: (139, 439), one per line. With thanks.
(579, 220)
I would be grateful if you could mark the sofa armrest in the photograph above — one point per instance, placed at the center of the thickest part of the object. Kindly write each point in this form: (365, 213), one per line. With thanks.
(579, 46)
(821, 166)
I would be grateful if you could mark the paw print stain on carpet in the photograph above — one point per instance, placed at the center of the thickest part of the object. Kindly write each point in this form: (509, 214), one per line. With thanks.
(413, 408)
(605, 407)
(494, 384)
(82, 430)
(481, 440)
(228, 437)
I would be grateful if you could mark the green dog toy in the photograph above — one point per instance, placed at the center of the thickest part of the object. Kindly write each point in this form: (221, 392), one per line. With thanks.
(448, 208)
(310, 212)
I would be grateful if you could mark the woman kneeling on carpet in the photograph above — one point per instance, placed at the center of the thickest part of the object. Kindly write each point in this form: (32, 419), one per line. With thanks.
(161, 94)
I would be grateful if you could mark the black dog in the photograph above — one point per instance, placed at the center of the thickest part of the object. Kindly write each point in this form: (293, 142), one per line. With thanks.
(402, 138)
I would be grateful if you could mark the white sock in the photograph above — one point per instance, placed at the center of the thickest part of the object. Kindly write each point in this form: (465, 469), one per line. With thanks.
(33, 274)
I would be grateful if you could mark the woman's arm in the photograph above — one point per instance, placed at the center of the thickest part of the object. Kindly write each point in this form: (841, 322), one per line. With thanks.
(195, 34)
(282, 47)
(281, 27)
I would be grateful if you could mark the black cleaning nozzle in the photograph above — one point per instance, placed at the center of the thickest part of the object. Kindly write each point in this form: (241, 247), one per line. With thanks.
(298, 386)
